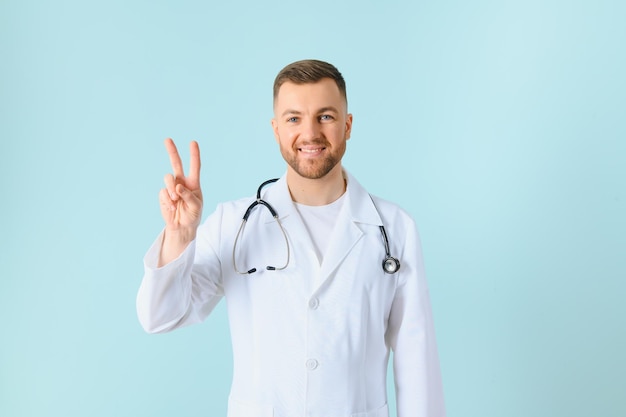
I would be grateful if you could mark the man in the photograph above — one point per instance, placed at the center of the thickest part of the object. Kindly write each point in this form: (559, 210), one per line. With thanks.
(313, 309)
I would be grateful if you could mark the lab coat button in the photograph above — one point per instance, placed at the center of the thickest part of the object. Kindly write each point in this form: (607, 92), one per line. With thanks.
(314, 303)
(311, 364)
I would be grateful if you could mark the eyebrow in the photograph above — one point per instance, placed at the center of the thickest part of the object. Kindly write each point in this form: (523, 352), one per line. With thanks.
(322, 110)
(290, 111)
(328, 108)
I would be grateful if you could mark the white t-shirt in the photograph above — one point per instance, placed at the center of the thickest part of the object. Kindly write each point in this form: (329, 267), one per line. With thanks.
(320, 222)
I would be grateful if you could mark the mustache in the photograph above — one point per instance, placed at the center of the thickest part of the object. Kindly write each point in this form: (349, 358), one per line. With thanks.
(315, 142)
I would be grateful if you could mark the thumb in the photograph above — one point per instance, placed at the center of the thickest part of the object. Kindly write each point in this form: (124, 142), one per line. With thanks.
(187, 196)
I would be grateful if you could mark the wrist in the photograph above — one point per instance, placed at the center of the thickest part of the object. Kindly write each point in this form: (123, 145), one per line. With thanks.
(175, 241)
(179, 235)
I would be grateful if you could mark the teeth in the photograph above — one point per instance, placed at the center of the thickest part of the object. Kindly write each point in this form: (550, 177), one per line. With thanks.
(311, 150)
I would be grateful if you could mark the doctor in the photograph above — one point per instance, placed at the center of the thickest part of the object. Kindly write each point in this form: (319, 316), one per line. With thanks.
(311, 334)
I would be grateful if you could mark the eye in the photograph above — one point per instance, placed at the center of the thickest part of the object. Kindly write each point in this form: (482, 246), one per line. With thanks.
(292, 119)
(326, 117)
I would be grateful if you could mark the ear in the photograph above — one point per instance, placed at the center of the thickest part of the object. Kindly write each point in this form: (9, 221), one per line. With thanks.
(275, 129)
(348, 125)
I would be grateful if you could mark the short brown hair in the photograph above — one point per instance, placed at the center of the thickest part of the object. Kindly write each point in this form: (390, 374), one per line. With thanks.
(309, 71)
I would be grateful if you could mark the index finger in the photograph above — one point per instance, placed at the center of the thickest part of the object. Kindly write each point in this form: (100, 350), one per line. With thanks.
(177, 164)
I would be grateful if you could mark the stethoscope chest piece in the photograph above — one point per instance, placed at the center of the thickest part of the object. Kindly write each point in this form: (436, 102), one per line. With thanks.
(391, 265)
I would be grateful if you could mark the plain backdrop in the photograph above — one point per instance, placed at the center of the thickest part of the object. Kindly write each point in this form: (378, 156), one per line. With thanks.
(499, 125)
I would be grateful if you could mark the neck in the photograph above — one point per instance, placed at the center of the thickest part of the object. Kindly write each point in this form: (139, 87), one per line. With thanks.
(316, 192)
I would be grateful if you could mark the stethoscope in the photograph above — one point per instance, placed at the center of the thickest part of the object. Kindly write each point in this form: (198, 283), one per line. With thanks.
(390, 264)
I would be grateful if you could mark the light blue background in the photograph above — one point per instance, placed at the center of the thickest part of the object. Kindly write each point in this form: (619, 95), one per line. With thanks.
(499, 125)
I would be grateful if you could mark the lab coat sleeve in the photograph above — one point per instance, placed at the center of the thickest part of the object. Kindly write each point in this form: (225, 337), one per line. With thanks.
(411, 335)
(186, 290)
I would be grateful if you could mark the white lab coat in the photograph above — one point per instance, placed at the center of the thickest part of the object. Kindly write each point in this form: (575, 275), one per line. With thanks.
(312, 340)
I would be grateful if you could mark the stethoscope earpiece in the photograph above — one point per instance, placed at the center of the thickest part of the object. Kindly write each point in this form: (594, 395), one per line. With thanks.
(244, 220)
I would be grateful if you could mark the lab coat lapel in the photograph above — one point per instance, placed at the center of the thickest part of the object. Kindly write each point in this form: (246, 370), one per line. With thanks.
(345, 235)
(357, 209)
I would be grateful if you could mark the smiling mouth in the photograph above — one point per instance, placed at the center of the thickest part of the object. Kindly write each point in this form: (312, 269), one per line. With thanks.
(311, 150)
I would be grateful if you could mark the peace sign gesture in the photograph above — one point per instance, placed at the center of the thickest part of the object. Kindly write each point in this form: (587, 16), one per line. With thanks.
(181, 202)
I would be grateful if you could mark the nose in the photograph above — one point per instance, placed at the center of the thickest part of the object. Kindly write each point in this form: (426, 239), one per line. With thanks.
(310, 129)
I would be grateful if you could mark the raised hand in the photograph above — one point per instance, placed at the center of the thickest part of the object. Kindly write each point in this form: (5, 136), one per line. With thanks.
(181, 202)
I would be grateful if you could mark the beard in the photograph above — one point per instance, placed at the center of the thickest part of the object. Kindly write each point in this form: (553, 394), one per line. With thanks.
(317, 168)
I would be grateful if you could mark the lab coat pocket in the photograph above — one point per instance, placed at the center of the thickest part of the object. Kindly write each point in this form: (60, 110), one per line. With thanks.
(381, 412)
(237, 409)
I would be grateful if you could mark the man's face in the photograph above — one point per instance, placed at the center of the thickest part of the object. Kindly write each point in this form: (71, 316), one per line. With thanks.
(311, 126)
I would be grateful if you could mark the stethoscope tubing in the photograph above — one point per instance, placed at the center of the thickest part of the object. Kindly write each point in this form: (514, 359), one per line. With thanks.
(390, 264)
